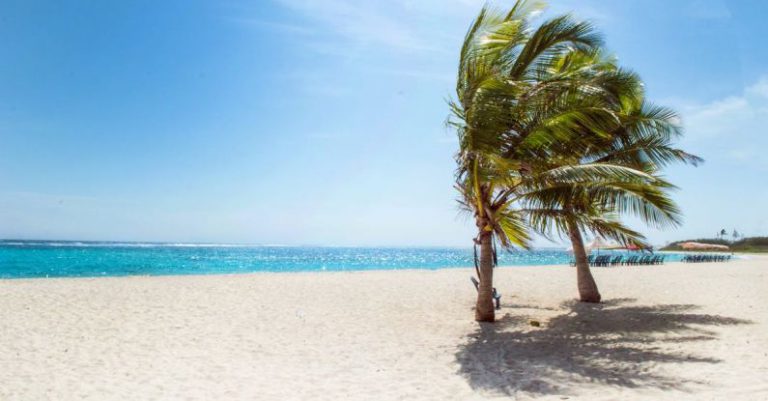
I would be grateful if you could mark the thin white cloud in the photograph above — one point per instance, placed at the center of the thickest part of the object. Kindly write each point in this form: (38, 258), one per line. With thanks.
(739, 115)
(358, 22)
(734, 126)
(274, 26)
(421, 74)
(721, 117)
(413, 26)
(760, 89)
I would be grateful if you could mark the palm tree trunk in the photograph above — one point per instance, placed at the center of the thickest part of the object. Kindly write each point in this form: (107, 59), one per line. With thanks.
(587, 287)
(484, 311)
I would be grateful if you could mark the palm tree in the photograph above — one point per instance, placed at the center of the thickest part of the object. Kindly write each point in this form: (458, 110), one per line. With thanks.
(511, 102)
(543, 121)
(629, 157)
(571, 209)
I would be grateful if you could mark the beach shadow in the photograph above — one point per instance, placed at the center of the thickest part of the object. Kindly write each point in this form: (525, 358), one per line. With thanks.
(612, 343)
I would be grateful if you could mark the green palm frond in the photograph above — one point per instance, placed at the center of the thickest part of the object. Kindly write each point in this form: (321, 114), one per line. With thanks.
(592, 173)
(552, 38)
(512, 230)
(615, 230)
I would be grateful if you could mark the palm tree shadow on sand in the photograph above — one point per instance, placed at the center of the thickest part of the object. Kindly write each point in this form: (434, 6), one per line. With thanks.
(610, 343)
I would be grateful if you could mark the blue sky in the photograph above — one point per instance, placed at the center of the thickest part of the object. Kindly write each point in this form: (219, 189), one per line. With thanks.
(321, 121)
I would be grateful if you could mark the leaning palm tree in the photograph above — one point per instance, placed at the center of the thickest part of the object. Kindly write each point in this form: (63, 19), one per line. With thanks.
(511, 103)
(595, 206)
(637, 147)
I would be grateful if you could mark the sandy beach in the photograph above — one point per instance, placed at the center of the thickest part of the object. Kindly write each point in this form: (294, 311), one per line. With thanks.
(678, 331)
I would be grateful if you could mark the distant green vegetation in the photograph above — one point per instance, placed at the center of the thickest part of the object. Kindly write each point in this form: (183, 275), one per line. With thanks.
(751, 244)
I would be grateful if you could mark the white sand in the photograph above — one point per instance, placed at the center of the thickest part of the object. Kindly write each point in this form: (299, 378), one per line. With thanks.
(674, 332)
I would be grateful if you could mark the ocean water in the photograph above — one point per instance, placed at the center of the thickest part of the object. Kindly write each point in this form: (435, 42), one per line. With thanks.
(19, 259)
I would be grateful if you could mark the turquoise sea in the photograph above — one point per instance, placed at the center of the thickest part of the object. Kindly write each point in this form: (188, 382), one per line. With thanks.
(20, 259)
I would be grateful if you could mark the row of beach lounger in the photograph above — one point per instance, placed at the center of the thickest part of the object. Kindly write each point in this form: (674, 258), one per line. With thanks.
(706, 258)
(608, 260)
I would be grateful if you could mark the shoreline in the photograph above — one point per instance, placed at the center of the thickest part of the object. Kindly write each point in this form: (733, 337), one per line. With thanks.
(469, 269)
(737, 256)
